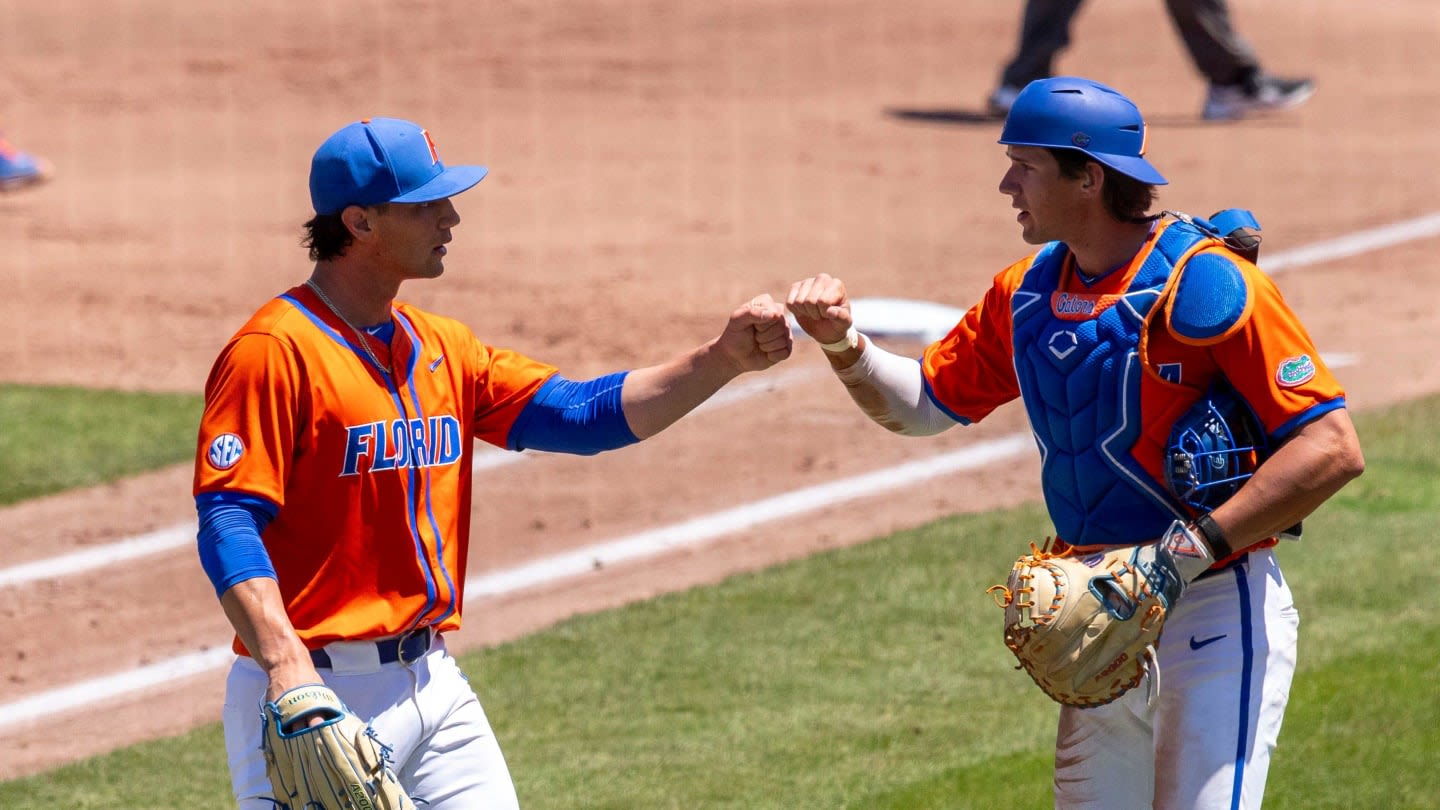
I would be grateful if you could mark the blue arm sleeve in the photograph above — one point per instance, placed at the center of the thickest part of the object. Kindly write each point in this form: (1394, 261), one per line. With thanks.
(583, 418)
(229, 540)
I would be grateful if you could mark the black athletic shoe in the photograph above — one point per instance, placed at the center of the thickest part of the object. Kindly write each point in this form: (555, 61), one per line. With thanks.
(1259, 94)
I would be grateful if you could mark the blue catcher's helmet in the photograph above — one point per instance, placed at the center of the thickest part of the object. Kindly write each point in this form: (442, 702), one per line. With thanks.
(1213, 449)
(1072, 113)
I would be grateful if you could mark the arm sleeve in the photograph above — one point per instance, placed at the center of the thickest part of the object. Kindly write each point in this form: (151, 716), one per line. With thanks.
(229, 541)
(890, 390)
(581, 418)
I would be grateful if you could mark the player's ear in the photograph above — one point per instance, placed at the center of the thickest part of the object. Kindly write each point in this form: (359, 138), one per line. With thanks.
(1094, 178)
(357, 221)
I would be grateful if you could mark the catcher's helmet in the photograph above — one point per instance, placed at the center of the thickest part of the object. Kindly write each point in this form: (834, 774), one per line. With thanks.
(1071, 113)
(1213, 449)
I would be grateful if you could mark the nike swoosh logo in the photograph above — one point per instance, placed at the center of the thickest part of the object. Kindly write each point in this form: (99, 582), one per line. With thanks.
(434, 364)
(1196, 644)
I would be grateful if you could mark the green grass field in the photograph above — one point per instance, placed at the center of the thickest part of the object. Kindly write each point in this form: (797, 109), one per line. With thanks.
(874, 677)
(59, 438)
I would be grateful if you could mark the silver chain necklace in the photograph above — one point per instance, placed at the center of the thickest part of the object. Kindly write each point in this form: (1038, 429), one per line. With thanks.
(359, 333)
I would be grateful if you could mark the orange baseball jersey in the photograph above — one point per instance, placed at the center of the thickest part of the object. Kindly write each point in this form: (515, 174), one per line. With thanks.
(370, 470)
(1108, 365)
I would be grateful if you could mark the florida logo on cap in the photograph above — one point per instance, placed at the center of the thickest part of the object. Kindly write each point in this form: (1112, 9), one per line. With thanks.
(430, 142)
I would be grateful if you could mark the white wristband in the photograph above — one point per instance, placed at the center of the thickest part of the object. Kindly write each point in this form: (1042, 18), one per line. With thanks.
(850, 341)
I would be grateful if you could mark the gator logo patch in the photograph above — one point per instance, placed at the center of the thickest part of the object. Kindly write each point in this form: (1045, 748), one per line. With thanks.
(1294, 371)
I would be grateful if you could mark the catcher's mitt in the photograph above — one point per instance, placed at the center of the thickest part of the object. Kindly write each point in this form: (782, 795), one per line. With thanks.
(335, 765)
(1085, 626)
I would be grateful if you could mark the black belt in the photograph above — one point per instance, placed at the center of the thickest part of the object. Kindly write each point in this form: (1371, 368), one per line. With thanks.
(404, 649)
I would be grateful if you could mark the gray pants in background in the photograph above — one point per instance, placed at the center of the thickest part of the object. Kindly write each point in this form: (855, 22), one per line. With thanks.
(1222, 55)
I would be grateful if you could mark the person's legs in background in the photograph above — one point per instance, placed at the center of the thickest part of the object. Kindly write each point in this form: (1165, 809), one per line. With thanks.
(1044, 32)
(1238, 85)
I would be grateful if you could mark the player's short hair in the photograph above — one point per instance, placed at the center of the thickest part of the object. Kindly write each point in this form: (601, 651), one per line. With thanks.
(327, 236)
(1127, 199)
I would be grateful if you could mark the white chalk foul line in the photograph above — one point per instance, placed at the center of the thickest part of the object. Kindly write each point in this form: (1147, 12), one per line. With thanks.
(1354, 244)
(99, 556)
(717, 524)
(561, 566)
(87, 693)
(161, 540)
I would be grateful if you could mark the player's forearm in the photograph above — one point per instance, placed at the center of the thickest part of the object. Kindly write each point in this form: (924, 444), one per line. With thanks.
(656, 397)
(257, 612)
(1314, 464)
(889, 389)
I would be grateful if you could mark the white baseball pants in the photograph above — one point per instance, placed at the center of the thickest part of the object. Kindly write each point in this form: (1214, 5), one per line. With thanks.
(1200, 738)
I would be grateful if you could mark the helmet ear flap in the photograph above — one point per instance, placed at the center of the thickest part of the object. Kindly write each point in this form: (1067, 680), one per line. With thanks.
(1214, 448)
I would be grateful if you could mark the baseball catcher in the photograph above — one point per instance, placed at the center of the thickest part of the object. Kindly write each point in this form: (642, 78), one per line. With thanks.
(1108, 332)
(336, 764)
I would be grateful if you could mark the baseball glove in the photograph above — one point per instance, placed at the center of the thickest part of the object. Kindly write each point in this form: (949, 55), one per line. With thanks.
(335, 765)
(1085, 626)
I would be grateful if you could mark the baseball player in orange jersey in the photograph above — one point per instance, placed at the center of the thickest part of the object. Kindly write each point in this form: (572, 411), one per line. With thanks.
(1157, 366)
(333, 474)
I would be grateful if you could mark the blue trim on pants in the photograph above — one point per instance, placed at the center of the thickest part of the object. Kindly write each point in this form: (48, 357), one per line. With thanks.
(1247, 651)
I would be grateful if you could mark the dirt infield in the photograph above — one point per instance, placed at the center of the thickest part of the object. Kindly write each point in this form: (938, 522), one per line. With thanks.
(653, 164)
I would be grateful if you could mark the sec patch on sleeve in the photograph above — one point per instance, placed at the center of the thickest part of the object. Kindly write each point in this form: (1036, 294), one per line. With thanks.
(225, 451)
(1294, 371)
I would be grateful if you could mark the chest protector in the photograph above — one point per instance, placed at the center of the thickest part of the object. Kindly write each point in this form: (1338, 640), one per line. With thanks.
(1080, 375)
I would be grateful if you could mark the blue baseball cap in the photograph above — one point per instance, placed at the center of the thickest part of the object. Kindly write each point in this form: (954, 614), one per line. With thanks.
(1066, 112)
(383, 160)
